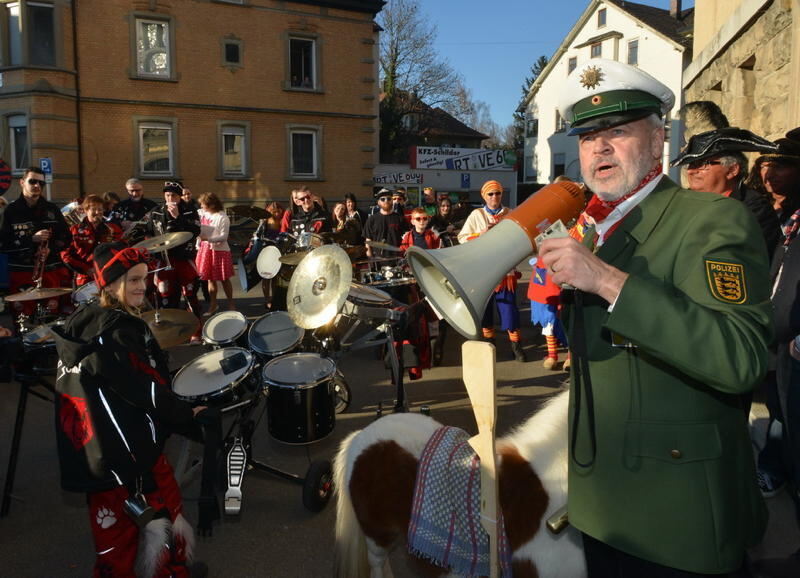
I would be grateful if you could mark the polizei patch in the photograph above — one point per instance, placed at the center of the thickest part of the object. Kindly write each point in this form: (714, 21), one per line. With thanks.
(726, 281)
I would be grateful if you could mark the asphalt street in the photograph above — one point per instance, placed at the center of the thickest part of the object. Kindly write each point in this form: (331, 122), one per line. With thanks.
(47, 531)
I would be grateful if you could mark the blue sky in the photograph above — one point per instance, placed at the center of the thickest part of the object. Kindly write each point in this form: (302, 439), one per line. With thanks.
(494, 44)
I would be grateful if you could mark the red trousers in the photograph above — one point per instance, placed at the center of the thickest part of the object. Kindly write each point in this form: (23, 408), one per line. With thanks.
(116, 535)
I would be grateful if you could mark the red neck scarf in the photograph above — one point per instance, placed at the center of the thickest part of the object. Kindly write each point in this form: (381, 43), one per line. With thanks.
(599, 209)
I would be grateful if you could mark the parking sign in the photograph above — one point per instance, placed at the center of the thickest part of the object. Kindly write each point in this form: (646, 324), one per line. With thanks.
(46, 165)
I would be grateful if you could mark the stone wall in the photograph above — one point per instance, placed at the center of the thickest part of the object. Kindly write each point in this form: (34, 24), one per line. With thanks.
(751, 78)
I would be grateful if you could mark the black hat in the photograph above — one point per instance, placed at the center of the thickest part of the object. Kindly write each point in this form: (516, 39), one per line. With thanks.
(720, 141)
(113, 260)
(173, 187)
(787, 150)
(384, 192)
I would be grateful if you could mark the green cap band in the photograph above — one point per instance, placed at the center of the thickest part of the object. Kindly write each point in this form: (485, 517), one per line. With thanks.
(614, 101)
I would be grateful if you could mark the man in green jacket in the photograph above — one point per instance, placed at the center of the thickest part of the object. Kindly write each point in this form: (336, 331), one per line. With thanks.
(669, 329)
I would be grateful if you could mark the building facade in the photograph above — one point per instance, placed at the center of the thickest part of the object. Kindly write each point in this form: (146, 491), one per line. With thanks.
(747, 60)
(245, 98)
(653, 39)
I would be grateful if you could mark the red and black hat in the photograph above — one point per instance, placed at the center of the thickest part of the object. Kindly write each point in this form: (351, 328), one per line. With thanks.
(113, 260)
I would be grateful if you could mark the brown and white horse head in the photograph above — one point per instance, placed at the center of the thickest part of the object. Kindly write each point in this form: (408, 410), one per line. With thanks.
(375, 471)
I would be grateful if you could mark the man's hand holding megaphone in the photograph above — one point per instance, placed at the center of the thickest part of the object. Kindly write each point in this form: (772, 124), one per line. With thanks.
(574, 264)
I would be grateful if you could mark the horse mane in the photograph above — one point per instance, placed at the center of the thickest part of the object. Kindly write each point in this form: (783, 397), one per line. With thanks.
(534, 438)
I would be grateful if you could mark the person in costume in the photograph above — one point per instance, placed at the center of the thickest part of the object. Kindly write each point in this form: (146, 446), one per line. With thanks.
(113, 412)
(86, 236)
(668, 324)
(504, 296)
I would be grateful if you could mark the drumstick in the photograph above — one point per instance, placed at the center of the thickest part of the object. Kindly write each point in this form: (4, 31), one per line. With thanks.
(478, 362)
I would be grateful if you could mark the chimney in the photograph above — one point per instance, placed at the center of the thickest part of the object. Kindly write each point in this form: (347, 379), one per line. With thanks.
(675, 8)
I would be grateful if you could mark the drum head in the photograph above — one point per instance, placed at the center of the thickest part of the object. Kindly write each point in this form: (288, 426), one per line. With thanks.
(211, 373)
(274, 334)
(85, 293)
(268, 263)
(224, 327)
(363, 295)
(298, 370)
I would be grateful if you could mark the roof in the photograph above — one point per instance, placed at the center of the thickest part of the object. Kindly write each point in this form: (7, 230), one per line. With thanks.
(368, 6)
(660, 20)
(440, 123)
(676, 30)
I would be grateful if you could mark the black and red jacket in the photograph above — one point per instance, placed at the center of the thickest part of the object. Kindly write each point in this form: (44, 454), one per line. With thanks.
(85, 238)
(114, 406)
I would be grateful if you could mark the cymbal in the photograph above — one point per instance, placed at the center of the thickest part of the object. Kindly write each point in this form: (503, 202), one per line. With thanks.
(293, 259)
(37, 293)
(240, 210)
(258, 213)
(384, 247)
(369, 260)
(174, 326)
(319, 287)
(164, 242)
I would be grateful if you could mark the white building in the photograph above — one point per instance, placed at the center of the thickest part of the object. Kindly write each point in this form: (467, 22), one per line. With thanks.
(654, 39)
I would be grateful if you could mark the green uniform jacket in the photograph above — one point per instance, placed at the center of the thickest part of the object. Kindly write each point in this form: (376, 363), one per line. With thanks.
(673, 478)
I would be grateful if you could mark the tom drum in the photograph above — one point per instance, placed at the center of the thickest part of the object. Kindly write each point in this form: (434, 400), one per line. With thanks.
(217, 378)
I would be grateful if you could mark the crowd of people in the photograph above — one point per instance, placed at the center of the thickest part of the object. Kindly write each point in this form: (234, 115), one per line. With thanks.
(677, 304)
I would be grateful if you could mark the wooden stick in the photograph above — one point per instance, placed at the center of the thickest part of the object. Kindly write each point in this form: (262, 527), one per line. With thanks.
(478, 363)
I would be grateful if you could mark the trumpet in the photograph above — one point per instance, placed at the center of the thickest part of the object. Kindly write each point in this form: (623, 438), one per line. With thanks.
(40, 261)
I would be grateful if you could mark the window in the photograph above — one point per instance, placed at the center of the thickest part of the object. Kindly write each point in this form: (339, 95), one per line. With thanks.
(532, 128)
(41, 34)
(597, 50)
(601, 18)
(232, 52)
(633, 52)
(561, 125)
(31, 38)
(156, 148)
(153, 48)
(234, 142)
(559, 164)
(18, 142)
(572, 64)
(302, 66)
(304, 151)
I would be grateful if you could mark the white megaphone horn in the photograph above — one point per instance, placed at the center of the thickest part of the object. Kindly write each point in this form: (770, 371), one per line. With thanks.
(458, 281)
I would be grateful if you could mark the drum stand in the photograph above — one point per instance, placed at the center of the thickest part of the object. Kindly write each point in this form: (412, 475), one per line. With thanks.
(317, 483)
(27, 381)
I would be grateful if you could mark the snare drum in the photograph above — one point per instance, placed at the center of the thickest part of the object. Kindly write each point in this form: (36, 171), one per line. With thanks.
(363, 296)
(274, 334)
(85, 293)
(225, 328)
(301, 400)
(217, 378)
(268, 263)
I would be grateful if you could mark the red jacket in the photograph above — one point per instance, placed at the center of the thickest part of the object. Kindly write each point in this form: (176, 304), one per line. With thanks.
(85, 237)
(431, 240)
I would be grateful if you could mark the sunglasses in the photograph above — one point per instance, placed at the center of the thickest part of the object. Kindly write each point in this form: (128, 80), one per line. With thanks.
(702, 165)
(493, 194)
(173, 184)
(422, 218)
(302, 199)
(33, 182)
(384, 199)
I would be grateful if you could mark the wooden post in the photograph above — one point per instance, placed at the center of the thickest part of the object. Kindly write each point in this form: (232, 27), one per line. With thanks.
(478, 363)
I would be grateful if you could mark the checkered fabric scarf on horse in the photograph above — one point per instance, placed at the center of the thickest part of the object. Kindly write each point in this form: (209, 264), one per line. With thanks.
(445, 526)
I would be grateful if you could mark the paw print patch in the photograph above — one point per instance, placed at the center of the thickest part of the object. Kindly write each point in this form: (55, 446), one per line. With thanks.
(105, 518)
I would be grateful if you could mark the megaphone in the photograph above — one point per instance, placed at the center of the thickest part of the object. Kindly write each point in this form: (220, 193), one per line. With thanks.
(458, 281)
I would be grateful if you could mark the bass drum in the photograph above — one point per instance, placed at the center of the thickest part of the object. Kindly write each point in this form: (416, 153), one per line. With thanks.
(225, 328)
(274, 334)
(301, 397)
(217, 378)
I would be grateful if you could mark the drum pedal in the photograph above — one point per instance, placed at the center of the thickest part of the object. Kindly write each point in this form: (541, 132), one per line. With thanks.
(237, 460)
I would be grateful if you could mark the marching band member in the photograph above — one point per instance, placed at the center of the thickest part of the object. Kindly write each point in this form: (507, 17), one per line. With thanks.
(114, 410)
(86, 236)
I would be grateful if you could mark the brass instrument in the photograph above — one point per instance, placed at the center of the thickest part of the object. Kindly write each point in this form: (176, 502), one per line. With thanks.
(40, 261)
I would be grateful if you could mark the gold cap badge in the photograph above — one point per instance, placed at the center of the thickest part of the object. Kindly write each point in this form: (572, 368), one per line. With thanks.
(591, 77)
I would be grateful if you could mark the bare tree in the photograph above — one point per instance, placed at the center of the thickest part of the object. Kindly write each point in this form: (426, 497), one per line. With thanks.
(408, 59)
